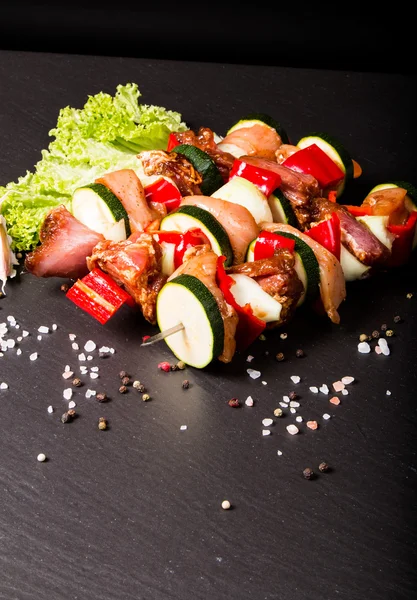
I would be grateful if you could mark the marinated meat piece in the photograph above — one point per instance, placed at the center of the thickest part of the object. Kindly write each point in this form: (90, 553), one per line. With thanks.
(299, 188)
(65, 245)
(201, 262)
(391, 202)
(255, 140)
(277, 276)
(332, 279)
(204, 140)
(175, 166)
(357, 238)
(284, 151)
(135, 264)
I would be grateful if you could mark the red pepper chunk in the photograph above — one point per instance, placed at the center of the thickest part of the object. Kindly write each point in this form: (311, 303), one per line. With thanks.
(327, 233)
(249, 326)
(313, 161)
(358, 211)
(172, 142)
(267, 242)
(402, 246)
(267, 181)
(163, 192)
(192, 237)
(99, 295)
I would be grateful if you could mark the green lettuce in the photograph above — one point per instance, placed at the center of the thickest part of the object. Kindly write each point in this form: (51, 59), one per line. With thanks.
(105, 135)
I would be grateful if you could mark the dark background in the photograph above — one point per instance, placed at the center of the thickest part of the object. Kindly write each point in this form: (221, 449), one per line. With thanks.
(349, 36)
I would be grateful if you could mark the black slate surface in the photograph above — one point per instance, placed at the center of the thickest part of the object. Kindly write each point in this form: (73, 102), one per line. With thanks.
(134, 512)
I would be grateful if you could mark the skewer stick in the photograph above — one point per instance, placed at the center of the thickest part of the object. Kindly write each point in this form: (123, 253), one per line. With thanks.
(161, 336)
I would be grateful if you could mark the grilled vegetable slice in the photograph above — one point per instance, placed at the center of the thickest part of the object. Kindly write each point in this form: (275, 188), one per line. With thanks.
(190, 217)
(247, 291)
(185, 299)
(98, 208)
(335, 150)
(204, 164)
(261, 118)
(242, 191)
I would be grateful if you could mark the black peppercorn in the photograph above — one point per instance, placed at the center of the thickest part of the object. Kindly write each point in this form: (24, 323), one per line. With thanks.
(299, 353)
(308, 473)
(280, 356)
(384, 327)
(397, 319)
(292, 395)
(375, 334)
(185, 384)
(101, 397)
(123, 374)
(68, 416)
(126, 380)
(324, 467)
(77, 382)
(64, 287)
(123, 389)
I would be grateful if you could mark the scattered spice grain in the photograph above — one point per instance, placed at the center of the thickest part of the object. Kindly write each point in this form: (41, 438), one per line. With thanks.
(233, 402)
(278, 412)
(397, 319)
(64, 287)
(389, 333)
(123, 389)
(324, 467)
(308, 473)
(146, 397)
(123, 374)
(299, 353)
(280, 356)
(101, 397)
(77, 382)
(102, 423)
(125, 380)
(185, 384)
(226, 505)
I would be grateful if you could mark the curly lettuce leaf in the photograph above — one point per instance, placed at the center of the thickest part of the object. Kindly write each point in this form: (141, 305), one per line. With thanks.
(103, 136)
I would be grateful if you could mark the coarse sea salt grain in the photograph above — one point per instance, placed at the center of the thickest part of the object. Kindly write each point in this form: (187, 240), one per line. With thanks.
(33, 356)
(338, 386)
(18, 352)
(279, 452)
(50, 409)
(345, 392)
(292, 429)
(83, 370)
(250, 358)
(294, 404)
(25, 333)
(364, 347)
(19, 339)
(75, 346)
(249, 401)
(283, 404)
(264, 383)
(348, 380)
(295, 378)
(299, 419)
(39, 337)
(253, 373)
(54, 327)
(267, 422)
(90, 357)
(335, 400)
(72, 336)
(93, 375)
(10, 343)
(388, 393)
(293, 410)
(314, 389)
(266, 432)
(183, 427)
(3, 386)
(324, 389)
(89, 346)
(286, 398)
(67, 393)
(81, 357)
(90, 393)
(43, 329)
(94, 369)
(383, 344)
(72, 404)
(67, 374)
(326, 416)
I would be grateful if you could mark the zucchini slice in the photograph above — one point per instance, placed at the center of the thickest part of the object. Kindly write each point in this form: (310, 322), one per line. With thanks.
(335, 150)
(306, 266)
(98, 208)
(192, 217)
(261, 118)
(185, 299)
(281, 209)
(242, 191)
(411, 197)
(204, 164)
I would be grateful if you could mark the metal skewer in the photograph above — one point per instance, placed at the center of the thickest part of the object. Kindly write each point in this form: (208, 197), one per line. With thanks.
(161, 336)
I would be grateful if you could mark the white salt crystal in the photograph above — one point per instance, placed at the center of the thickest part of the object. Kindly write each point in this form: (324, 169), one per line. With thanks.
(72, 336)
(299, 419)
(267, 422)
(314, 389)
(67, 374)
(326, 416)
(383, 344)
(266, 432)
(183, 427)
(90, 393)
(279, 452)
(286, 398)
(3, 386)
(249, 401)
(19, 339)
(324, 389)
(81, 356)
(72, 404)
(347, 380)
(94, 369)
(293, 410)
(39, 337)
(18, 352)
(25, 333)
(292, 429)
(378, 349)
(283, 404)
(89, 346)
(67, 393)
(89, 357)
(43, 329)
(10, 343)
(388, 393)
(54, 327)
(75, 346)
(33, 356)
(345, 392)
(264, 382)
(250, 358)
(295, 378)
(294, 404)
(50, 409)
(364, 347)
(253, 373)
(83, 370)
(93, 375)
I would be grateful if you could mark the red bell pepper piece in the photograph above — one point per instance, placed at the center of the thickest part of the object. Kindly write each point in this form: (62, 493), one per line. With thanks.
(164, 192)
(170, 237)
(327, 233)
(267, 181)
(358, 211)
(192, 237)
(315, 162)
(99, 295)
(267, 242)
(249, 326)
(402, 246)
(332, 195)
(172, 142)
